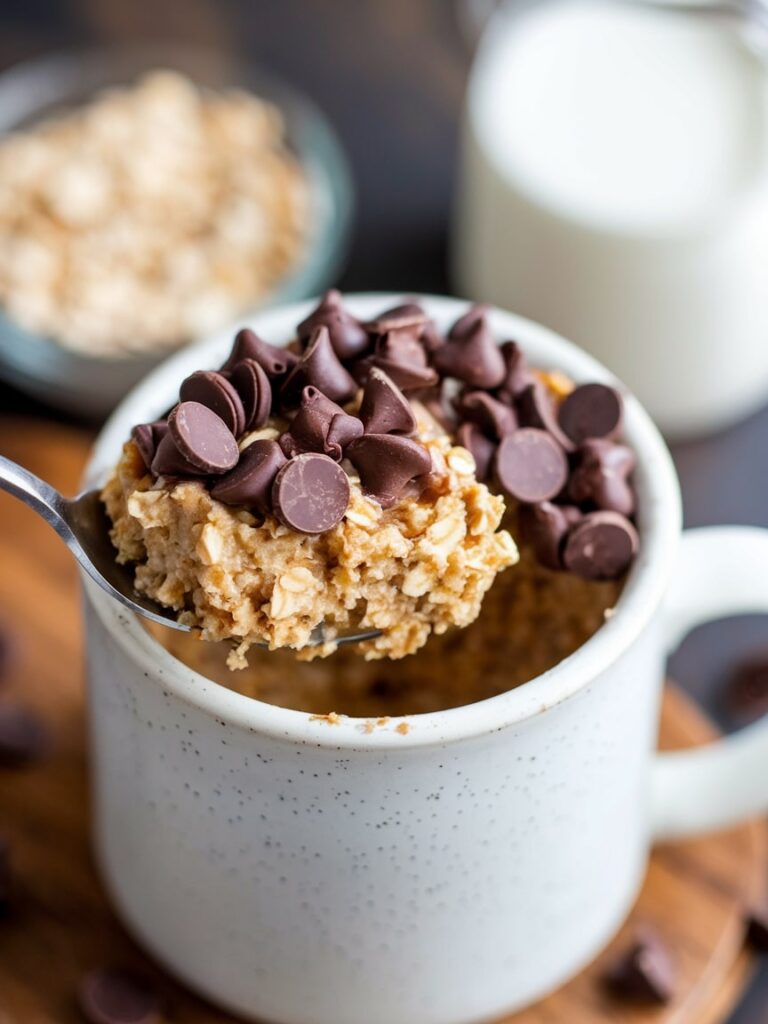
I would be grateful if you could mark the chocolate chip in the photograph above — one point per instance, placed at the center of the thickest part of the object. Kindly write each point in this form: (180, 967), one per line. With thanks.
(493, 417)
(202, 438)
(434, 401)
(536, 408)
(320, 368)
(469, 320)
(6, 878)
(600, 477)
(747, 691)
(590, 411)
(757, 928)
(210, 389)
(147, 437)
(24, 738)
(404, 348)
(251, 383)
(531, 466)
(389, 466)
(274, 361)
(644, 973)
(430, 338)
(517, 376)
(407, 314)
(343, 430)
(320, 425)
(471, 354)
(311, 493)
(347, 335)
(601, 546)
(480, 447)
(112, 995)
(169, 461)
(407, 376)
(544, 528)
(384, 408)
(250, 482)
(401, 355)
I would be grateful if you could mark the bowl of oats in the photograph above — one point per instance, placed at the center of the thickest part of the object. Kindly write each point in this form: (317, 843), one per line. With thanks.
(148, 197)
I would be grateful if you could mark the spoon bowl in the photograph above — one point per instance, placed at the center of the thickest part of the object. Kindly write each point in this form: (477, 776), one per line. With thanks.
(83, 525)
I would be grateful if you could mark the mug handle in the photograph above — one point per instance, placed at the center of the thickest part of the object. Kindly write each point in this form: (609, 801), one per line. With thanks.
(723, 570)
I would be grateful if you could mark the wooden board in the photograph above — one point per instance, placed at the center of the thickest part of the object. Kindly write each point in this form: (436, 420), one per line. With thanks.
(62, 923)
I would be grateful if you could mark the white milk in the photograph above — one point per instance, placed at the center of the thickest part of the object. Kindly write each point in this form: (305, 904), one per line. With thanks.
(614, 186)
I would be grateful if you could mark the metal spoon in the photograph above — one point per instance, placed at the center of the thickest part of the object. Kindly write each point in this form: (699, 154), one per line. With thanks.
(83, 525)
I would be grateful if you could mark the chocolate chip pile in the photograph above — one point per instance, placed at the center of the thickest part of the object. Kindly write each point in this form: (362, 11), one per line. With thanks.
(271, 429)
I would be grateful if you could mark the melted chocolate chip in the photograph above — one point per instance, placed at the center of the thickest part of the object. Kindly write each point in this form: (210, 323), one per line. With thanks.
(493, 417)
(480, 447)
(389, 466)
(600, 477)
(384, 408)
(591, 411)
(274, 361)
(544, 528)
(24, 739)
(112, 995)
(251, 383)
(202, 438)
(644, 973)
(471, 354)
(310, 493)
(147, 438)
(601, 546)
(320, 425)
(347, 335)
(531, 466)
(217, 394)
(536, 408)
(250, 482)
(320, 368)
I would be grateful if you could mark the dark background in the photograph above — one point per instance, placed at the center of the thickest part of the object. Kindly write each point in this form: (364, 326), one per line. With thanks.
(390, 75)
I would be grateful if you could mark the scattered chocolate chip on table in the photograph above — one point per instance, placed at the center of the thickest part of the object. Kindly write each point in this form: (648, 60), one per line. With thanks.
(112, 995)
(24, 738)
(644, 972)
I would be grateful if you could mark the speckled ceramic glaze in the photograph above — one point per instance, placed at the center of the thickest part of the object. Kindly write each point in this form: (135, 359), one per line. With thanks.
(311, 873)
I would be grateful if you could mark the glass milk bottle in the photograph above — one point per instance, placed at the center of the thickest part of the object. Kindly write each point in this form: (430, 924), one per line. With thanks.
(614, 186)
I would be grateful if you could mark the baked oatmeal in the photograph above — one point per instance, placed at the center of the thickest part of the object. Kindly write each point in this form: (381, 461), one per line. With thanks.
(367, 477)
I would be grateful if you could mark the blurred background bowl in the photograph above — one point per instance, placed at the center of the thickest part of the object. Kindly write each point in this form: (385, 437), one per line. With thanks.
(90, 386)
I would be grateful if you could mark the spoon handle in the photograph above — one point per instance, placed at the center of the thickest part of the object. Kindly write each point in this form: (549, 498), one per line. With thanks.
(37, 494)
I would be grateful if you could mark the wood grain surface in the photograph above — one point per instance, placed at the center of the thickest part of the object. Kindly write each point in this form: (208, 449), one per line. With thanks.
(62, 924)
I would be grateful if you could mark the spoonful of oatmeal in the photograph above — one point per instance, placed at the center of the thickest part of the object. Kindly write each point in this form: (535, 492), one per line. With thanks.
(360, 483)
(83, 525)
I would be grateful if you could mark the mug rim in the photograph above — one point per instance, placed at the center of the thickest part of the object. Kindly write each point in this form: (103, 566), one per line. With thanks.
(659, 520)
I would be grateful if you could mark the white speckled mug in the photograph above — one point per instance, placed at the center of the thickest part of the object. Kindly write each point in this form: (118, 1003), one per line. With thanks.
(309, 873)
